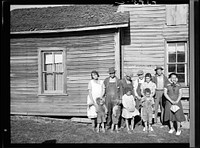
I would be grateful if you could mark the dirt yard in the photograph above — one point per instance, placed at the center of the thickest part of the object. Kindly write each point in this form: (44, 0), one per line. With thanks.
(30, 129)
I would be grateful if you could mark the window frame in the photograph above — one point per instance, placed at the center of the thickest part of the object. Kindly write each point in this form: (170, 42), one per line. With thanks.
(186, 63)
(41, 52)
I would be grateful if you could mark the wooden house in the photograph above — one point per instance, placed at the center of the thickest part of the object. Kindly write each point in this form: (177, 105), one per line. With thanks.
(54, 49)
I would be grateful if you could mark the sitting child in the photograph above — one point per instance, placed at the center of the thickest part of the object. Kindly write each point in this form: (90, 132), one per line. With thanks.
(129, 111)
(147, 109)
(101, 114)
(116, 111)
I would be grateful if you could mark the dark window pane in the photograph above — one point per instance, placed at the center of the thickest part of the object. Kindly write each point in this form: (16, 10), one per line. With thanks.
(171, 68)
(172, 57)
(48, 80)
(181, 57)
(180, 68)
(181, 78)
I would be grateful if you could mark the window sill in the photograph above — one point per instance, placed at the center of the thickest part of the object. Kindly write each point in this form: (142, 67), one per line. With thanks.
(52, 94)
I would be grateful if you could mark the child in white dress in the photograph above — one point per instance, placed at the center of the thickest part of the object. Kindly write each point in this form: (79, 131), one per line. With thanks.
(129, 111)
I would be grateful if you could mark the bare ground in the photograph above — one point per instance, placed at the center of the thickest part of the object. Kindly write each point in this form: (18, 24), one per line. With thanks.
(30, 130)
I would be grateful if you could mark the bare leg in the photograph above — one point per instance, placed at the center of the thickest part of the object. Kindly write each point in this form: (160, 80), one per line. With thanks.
(127, 126)
(93, 124)
(178, 126)
(103, 127)
(145, 128)
(171, 125)
(132, 123)
(98, 127)
(117, 129)
(112, 128)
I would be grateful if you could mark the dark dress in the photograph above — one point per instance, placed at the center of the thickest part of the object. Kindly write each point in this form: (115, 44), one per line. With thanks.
(173, 93)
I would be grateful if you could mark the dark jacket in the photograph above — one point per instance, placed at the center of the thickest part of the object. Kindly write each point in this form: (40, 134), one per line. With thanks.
(154, 79)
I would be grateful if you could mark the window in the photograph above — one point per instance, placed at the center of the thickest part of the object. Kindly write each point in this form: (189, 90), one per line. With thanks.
(176, 14)
(177, 60)
(52, 71)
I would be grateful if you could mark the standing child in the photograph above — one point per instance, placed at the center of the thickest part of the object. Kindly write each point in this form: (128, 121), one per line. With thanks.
(173, 94)
(101, 114)
(147, 109)
(129, 111)
(115, 116)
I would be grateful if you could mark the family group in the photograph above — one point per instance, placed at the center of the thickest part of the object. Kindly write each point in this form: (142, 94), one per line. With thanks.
(114, 103)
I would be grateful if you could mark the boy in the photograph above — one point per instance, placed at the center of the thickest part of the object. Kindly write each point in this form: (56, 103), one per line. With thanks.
(101, 114)
(115, 116)
(147, 109)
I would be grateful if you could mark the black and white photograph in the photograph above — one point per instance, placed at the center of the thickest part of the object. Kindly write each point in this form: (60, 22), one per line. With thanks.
(102, 73)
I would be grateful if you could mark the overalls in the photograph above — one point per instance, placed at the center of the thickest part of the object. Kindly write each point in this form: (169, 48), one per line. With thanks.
(112, 94)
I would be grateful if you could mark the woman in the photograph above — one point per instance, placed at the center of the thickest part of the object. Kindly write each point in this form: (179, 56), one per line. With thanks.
(96, 89)
(173, 94)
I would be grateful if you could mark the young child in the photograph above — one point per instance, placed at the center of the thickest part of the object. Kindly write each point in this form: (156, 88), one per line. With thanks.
(147, 109)
(129, 111)
(101, 114)
(116, 111)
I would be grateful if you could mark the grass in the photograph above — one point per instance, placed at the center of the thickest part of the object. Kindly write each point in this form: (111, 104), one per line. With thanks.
(31, 130)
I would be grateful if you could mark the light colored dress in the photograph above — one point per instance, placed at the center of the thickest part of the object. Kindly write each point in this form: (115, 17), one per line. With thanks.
(129, 110)
(97, 89)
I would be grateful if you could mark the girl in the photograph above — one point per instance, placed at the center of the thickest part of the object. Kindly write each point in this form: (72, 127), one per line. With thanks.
(129, 111)
(147, 109)
(148, 84)
(101, 114)
(173, 94)
(115, 116)
(96, 89)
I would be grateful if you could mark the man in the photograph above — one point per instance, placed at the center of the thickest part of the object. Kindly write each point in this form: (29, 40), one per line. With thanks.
(112, 93)
(160, 80)
(137, 87)
(137, 90)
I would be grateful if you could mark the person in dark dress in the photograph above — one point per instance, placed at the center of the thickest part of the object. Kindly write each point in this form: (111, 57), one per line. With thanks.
(173, 94)
(112, 94)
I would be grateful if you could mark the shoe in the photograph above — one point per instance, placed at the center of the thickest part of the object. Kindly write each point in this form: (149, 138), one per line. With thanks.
(111, 131)
(117, 131)
(171, 131)
(178, 132)
(129, 132)
(151, 129)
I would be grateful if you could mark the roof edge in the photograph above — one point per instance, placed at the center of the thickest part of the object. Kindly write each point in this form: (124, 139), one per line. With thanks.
(73, 29)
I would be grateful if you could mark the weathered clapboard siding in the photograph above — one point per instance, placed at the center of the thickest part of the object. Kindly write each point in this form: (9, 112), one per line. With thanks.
(84, 53)
(145, 48)
(144, 42)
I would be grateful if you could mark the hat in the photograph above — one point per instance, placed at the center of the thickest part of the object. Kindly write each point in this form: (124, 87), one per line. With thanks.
(140, 72)
(158, 67)
(129, 73)
(111, 70)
